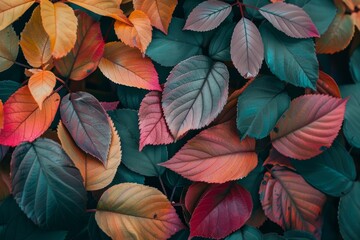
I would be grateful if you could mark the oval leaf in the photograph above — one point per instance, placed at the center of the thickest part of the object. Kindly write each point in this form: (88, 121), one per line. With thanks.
(130, 210)
(46, 184)
(9, 47)
(26, 122)
(190, 84)
(208, 158)
(303, 136)
(125, 65)
(41, 85)
(10, 11)
(87, 122)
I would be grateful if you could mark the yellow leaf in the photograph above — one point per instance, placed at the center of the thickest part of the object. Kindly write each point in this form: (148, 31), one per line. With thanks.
(134, 211)
(41, 85)
(95, 175)
(109, 8)
(159, 12)
(35, 42)
(9, 48)
(139, 34)
(60, 23)
(11, 10)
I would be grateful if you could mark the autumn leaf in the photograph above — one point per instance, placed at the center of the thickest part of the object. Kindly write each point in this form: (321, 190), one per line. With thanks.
(10, 11)
(41, 85)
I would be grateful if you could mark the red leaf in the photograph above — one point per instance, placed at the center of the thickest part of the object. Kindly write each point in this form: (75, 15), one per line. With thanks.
(291, 202)
(223, 209)
(194, 194)
(277, 159)
(309, 126)
(153, 128)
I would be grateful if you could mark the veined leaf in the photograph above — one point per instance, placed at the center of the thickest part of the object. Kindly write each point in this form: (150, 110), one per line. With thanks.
(247, 49)
(46, 184)
(87, 122)
(290, 202)
(159, 12)
(60, 23)
(84, 58)
(190, 84)
(9, 47)
(290, 19)
(208, 158)
(10, 11)
(41, 85)
(126, 66)
(142, 212)
(26, 122)
(207, 15)
(223, 209)
(35, 42)
(309, 126)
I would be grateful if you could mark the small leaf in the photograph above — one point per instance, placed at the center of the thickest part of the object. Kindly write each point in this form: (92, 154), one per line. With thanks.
(223, 209)
(9, 47)
(126, 66)
(207, 15)
(142, 212)
(10, 11)
(26, 122)
(208, 158)
(190, 84)
(247, 49)
(139, 34)
(41, 85)
(290, 19)
(327, 85)
(60, 23)
(86, 120)
(46, 184)
(277, 159)
(109, 106)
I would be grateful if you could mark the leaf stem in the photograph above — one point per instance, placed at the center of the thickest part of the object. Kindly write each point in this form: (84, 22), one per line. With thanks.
(162, 185)
(22, 65)
(63, 83)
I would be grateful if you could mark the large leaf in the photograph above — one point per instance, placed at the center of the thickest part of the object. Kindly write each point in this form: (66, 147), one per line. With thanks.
(96, 176)
(60, 23)
(87, 122)
(291, 60)
(153, 128)
(260, 106)
(194, 94)
(41, 85)
(349, 212)
(309, 126)
(84, 58)
(219, 47)
(134, 211)
(208, 158)
(223, 209)
(9, 47)
(181, 44)
(144, 162)
(354, 65)
(35, 42)
(332, 172)
(207, 15)
(12, 10)
(125, 65)
(247, 49)
(46, 184)
(26, 122)
(159, 12)
(291, 202)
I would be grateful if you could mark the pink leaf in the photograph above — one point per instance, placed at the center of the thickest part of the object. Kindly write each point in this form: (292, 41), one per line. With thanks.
(109, 106)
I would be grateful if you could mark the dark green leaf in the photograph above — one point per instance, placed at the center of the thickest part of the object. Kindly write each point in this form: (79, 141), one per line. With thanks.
(8, 87)
(254, 13)
(354, 65)
(130, 97)
(298, 235)
(123, 174)
(246, 233)
(94, 231)
(219, 48)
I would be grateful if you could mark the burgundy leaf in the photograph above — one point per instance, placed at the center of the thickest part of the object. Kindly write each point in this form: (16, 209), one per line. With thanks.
(109, 106)
(194, 194)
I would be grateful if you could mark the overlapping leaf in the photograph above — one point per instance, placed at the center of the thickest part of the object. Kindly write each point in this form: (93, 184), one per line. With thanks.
(194, 193)
(9, 48)
(354, 65)
(12, 10)
(41, 85)
(327, 85)
(219, 46)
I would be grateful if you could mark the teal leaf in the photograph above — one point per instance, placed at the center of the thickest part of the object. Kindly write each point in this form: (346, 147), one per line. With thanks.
(47, 185)
(219, 48)
(291, 60)
(254, 13)
(130, 97)
(246, 233)
(123, 175)
(260, 106)
(144, 162)
(298, 235)
(354, 65)
(8, 87)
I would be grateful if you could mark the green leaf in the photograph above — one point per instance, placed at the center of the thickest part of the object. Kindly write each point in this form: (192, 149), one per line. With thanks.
(254, 13)
(332, 172)
(123, 175)
(349, 213)
(130, 97)
(298, 235)
(219, 48)
(146, 161)
(47, 185)
(246, 233)
(354, 65)
(260, 106)
(178, 45)
(291, 60)
(8, 87)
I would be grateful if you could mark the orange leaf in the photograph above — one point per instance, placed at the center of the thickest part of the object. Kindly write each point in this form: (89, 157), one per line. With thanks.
(60, 23)
(23, 120)
(11, 10)
(159, 12)
(41, 85)
(139, 35)
(126, 66)
(35, 42)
